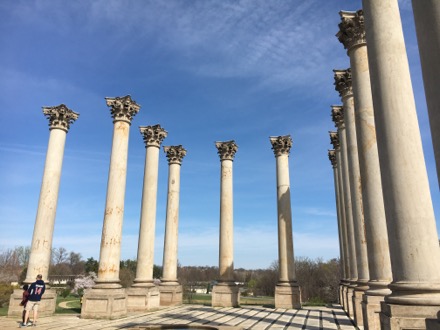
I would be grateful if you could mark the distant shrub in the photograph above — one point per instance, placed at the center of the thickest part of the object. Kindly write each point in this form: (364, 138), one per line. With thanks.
(6, 290)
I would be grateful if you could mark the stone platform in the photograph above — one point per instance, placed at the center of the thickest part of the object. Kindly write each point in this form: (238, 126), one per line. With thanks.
(245, 317)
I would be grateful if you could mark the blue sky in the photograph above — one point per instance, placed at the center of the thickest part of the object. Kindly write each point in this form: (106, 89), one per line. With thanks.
(206, 71)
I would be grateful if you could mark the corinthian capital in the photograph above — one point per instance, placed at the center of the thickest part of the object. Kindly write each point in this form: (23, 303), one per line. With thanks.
(175, 154)
(334, 139)
(351, 29)
(153, 135)
(332, 157)
(281, 144)
(60, 117)
(122, 108)
(226, 150)
(338, 115)
(343, 82)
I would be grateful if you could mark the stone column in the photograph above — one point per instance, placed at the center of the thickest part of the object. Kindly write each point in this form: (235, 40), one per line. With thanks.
(344, 87)
(60, 118)
(333, 161)
(352, 36)
(287, 292)
(413, 240)
(334, 139)
(338, 119)
(170, 289)
(427, 20)
(107, 299)
(226, 293)
(143, 295)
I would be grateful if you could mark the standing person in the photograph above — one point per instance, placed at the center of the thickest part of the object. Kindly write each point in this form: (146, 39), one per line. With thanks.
(36, 291)
(24, 300)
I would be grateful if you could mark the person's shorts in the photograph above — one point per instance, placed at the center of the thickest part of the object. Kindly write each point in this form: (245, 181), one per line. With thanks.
(32, 305)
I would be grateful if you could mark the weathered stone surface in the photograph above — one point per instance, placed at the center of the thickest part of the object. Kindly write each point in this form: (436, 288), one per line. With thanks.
(104, 304)
(171, 295)
(46, 307)
(225, 296)
(142, 299)
(287, 296)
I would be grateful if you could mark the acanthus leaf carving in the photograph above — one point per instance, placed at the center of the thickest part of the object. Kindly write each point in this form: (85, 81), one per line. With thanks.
(281, 145)
(60, 117)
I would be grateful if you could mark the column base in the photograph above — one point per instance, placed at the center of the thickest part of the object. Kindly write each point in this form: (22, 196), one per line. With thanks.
(341, 295)
(350, 293)
(171, 294)
(143, 298)
(357, 306)
(104, 303)
(399, 317)
(288, 296)
(46, 307)
(344, 297)
(371, 311)
(225, 295)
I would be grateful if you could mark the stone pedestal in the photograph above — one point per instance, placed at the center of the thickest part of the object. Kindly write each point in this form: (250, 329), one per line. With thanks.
(46, 307)
(225, 295)
(171, 294)
(104, 303)
(287, 296)
(371, 311)
(400, 317)
(357, 307)
(141, 299)
(350, 293)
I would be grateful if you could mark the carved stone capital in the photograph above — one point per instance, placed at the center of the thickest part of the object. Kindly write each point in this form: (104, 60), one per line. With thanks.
(281, 144)
(351, 29)
(60, 117)
(338, 116)
(175, 154)
(332, 157)
(343, 82)
(122, 108)
(334, 139)
(153, 135)
(226, 150)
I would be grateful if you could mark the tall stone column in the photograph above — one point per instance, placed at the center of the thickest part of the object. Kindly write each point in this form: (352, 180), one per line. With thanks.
(334, 162)
(413, 240)
(226, 293)
(352, 36)
(170, 289)
(427, 20)
(334, 139)
(344, 87)
(143, 295)
(60, 117)
(107, 299)
(287, 293)
(338, 119)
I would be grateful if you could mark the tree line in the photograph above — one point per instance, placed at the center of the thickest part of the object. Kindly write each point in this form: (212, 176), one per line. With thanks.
(318, 279)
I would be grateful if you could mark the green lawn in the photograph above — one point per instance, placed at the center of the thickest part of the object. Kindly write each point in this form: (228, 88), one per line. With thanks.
(4, 311)
(72, 303)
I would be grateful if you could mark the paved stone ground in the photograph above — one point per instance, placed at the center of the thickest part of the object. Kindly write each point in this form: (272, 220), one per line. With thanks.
(245, 317)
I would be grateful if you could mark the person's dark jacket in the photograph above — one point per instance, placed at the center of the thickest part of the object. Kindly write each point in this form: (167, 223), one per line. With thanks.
(36, 290)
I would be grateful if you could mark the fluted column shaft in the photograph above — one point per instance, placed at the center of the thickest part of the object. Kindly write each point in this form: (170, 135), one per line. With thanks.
(352, 35)
(285, 238)
(153, 137)
(39, 259)
(347, 195)
(415, 256)
(122, 109)
(227, 151)
(427, 21)
(343, 85)
(175, 155)
(345, 243)
(333, 160)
